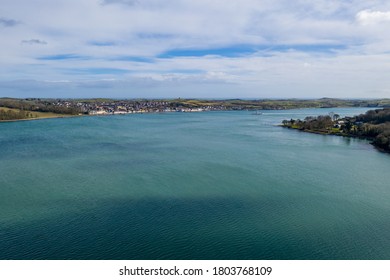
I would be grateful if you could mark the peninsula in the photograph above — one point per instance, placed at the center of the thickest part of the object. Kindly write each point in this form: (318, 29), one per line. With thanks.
(374, 125)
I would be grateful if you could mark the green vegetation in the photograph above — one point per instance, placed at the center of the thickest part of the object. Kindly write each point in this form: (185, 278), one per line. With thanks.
(38, 105)
(12, 114)
(374, 125)
(9, 114)
(281, 104)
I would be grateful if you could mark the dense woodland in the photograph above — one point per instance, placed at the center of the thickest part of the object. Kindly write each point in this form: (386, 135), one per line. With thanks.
(373, 125)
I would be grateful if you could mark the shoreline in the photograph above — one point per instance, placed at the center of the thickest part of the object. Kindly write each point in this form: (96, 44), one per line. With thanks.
(162, 112)
(370, 140)
(123, 114)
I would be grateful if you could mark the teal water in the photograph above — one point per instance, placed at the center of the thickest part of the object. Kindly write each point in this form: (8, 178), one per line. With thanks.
(211, 185)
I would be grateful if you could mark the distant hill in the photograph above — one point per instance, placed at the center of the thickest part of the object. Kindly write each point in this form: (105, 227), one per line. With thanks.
(113, 106)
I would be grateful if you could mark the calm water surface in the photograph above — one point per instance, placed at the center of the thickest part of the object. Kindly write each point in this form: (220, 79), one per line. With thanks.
(212, 185)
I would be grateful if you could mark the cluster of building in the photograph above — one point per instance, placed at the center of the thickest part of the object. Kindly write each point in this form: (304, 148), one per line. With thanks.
(99, 107)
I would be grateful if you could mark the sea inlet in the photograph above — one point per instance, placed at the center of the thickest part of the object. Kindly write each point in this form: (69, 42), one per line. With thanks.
(209, 185)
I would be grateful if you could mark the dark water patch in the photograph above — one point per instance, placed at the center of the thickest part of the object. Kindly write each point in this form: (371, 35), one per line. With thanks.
(212, 228)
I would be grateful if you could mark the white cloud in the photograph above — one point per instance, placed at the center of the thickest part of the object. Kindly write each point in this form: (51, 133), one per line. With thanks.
(318, 48)
(367, 17)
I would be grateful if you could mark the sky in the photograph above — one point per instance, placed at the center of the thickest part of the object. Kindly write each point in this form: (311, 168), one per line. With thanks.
(195, 49)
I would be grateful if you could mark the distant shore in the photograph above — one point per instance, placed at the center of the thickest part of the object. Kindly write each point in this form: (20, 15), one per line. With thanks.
(39, 118)
(35, 108)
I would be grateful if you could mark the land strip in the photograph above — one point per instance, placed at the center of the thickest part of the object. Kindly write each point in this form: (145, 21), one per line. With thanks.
(12, 114)
(374, 126)
(32, 108)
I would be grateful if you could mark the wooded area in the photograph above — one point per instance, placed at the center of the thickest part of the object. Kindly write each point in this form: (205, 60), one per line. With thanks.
(373, 125)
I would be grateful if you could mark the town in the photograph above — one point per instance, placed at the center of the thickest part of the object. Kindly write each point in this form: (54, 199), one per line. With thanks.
(131, 107)
(104, 106)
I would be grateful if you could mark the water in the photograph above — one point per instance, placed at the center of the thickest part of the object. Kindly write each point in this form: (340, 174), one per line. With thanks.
(211, 185)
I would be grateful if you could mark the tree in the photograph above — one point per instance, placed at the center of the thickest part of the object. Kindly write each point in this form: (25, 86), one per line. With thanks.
(347, 126)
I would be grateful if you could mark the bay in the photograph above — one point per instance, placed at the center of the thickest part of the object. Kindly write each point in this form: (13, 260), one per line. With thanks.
(209, 185)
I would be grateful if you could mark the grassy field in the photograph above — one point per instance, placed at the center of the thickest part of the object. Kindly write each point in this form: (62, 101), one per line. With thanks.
(37, 115)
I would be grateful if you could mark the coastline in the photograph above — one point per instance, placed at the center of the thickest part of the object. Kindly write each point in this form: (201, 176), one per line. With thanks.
(371, 140)
(325, 125)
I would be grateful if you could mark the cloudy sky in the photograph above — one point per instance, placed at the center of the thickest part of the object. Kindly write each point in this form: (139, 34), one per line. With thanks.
(201, 49)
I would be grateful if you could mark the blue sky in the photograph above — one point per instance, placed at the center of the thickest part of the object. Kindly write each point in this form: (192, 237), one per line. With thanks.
(195, 49)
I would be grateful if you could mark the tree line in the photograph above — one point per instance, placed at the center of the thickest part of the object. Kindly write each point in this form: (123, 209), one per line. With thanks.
(373, 125)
